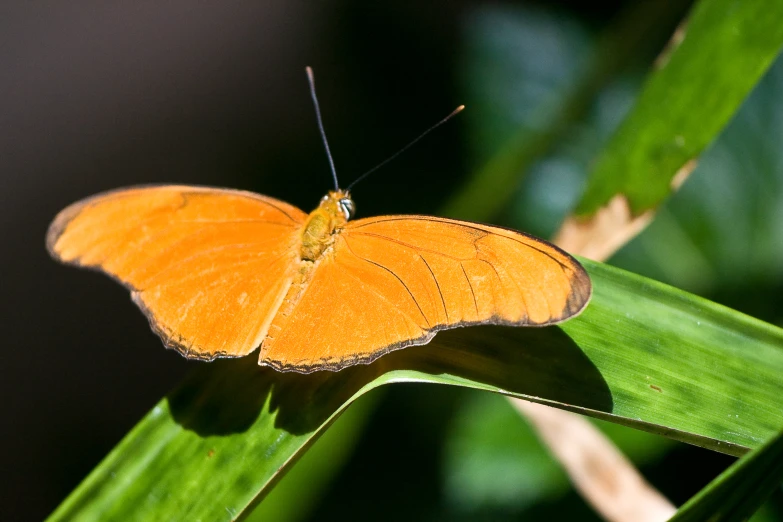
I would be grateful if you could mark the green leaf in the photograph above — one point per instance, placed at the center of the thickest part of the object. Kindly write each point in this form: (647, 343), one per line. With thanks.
(720, 233)
(740, 490)
(643, 354)
(727, 46)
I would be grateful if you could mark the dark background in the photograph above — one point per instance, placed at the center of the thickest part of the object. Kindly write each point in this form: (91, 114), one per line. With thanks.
(96, 96)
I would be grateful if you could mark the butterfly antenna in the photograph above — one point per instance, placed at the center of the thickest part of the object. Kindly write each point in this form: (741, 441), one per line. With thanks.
(406, 147)
(311, 79)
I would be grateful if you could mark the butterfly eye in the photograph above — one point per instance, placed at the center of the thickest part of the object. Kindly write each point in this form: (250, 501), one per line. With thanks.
(347, 207)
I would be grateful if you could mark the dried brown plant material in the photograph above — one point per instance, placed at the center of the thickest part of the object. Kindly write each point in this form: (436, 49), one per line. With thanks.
(602, 234)
(674, 42)
(612, 226)
(598, 470)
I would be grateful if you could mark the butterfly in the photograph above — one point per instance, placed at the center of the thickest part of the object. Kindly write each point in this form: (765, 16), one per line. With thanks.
(221, 273)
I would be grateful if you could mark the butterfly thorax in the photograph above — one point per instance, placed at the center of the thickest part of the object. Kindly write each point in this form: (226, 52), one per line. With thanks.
(335, 210)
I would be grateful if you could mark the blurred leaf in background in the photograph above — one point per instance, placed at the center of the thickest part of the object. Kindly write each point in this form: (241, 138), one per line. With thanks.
(555, 182)
(520, 63)
(537, 57)
(521, 67)
(494, 462)
(721, 234)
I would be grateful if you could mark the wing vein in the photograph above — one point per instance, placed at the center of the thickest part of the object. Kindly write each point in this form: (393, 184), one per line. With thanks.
(377, 293)
(442, 300)
(396, 276)
(519, 290)
(413, 298)
(471, 289)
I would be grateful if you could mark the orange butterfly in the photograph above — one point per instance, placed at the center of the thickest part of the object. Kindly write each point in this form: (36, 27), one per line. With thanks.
(222, 272)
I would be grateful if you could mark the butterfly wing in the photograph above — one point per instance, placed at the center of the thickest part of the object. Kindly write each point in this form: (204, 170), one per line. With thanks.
(209, 267)
(394, 281)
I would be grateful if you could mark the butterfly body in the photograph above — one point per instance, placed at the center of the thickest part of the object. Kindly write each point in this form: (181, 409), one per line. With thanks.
(334, 211)
(220, 273)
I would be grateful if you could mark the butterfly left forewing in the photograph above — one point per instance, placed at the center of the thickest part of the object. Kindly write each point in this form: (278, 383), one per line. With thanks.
(209, 267)
(393, 281)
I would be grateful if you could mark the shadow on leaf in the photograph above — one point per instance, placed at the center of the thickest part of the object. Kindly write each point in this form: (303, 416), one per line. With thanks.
(229, 396)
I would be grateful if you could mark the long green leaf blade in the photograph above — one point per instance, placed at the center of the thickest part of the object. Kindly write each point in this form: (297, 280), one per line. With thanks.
(642, 354)
(727, 46)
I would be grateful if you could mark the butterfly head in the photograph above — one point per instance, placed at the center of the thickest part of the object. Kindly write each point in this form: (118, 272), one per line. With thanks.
(339, 203)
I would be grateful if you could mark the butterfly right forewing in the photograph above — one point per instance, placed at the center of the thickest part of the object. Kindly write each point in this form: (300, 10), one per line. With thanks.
(394, 281)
